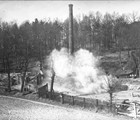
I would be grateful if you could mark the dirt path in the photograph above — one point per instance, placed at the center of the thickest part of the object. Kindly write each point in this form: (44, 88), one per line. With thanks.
(19, 109)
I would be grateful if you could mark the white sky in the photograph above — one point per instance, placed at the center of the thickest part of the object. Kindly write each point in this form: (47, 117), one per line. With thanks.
(29, 10)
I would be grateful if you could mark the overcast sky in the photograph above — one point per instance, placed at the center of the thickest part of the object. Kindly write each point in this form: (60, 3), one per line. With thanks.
(29, 10)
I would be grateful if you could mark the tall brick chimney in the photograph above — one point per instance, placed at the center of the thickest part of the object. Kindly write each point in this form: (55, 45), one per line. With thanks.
(71, 39)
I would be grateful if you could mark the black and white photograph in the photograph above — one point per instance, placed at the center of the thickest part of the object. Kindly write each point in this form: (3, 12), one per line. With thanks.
(70, 60)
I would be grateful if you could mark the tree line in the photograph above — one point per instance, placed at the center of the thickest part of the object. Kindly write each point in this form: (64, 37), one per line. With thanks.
(32, 41)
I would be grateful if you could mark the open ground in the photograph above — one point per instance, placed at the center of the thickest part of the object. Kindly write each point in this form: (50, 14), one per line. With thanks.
(20, 109)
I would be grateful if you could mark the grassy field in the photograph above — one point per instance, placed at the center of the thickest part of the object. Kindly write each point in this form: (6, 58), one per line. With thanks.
(17, 109)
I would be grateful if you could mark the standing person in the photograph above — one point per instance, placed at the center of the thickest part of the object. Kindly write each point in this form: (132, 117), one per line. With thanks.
(39, 77)
(27, 79)
(13, 80)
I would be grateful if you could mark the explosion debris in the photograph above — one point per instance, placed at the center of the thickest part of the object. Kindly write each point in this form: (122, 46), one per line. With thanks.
(78, 72)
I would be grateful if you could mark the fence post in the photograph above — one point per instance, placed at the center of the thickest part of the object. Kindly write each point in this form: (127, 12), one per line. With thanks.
(62, 98)
(135, 111)
(84, 102)
(72, 100)
(97, 103)
(114, 109)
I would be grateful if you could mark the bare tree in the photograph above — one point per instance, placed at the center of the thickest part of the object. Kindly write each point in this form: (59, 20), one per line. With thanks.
(25, 49)
(7, 50)
(133, 17)
(113, 85)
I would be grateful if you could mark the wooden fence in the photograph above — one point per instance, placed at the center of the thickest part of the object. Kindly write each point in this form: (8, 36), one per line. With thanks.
(81, 101)
(132, 109)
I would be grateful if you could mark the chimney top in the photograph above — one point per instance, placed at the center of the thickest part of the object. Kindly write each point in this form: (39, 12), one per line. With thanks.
(70, 4)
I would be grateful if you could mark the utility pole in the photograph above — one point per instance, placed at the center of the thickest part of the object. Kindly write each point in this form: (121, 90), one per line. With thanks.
(71, 40)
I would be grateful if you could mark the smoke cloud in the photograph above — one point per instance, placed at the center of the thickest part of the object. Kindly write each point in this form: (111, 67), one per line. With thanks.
(79, 72)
